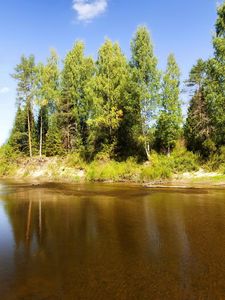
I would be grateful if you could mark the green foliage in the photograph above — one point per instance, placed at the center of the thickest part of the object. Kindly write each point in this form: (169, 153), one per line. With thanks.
(163, 167)
(74, 107)
(198, 129)
(74, 159)
(105, 154)
(18, 139)
(47, 82)
(170, 119)
(112, 109)
(113, 171)
(47, 96)
(8, 159)
(146, 84)
(108, 91)
(54, 145)
(205, 125)
(158, 171)
(42, 128)
(25, 74)
(216, 161)
(184, 161)
(215, 81)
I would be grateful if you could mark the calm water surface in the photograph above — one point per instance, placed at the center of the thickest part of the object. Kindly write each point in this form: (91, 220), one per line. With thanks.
(108, 242)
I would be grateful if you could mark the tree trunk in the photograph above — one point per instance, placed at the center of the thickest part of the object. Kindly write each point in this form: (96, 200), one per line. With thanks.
(41, 133)
(147, 150)
(68, 139)
(40, 218)
(168, 152)
(29, 132)
(28, 221)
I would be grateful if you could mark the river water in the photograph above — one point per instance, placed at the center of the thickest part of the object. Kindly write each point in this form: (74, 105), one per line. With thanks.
(99, 241)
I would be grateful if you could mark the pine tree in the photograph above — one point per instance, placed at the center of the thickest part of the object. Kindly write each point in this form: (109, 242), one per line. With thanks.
(54, 145)
(205, 125)
(25, 74)
(170, 119)
(18, 139)
(215, 82)
(198, 128)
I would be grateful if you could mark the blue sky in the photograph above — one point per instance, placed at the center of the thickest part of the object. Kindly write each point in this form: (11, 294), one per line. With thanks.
(34, 26)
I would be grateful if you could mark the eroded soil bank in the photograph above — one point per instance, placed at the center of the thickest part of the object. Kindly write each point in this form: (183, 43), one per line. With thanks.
(58, 170)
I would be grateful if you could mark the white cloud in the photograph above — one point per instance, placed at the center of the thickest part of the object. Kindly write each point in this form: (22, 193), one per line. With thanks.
(87, 10)
(4, 90)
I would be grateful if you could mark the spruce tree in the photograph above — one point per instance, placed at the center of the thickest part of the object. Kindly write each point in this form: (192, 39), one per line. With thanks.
(215, 81)
(73, 105)
(205, 125)
(54, 145)
(198, 128)
(18, 139)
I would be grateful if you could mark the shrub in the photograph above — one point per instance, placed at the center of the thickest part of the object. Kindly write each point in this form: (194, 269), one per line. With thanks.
(159, 168)
(217, 160)
(8, 159)
(75, 160)
(184, 161)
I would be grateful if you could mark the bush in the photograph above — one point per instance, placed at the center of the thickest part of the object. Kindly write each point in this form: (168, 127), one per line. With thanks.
(184, 161)
(162, 167)
(75, 160)
(8, 159)
(159, 168)
(209, 147)
(217, 160)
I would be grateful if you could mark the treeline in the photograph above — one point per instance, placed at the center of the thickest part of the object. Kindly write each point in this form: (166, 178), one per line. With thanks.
(117, 107)
(205, 126)
(108, 107)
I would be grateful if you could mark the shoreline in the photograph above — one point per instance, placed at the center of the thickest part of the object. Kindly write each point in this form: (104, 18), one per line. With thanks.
(59, 170)
(192, 183)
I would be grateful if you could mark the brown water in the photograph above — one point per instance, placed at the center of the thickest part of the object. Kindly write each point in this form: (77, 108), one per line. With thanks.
(111, 242)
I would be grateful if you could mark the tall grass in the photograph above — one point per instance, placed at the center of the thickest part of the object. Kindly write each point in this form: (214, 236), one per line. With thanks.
(113, 171)
(160, 167)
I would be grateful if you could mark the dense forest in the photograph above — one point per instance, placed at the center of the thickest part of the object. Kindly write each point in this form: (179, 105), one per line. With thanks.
(113, 106)
(119, 108)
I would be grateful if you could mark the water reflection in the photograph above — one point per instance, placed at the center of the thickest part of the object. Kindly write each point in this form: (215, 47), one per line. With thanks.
(153, 234)
(6, 250)
(111, 242)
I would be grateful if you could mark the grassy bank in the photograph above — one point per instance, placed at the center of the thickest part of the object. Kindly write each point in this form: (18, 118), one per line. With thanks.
(181, 166)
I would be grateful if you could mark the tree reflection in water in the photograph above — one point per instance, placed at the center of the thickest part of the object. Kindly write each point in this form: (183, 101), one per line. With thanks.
(111, 242)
